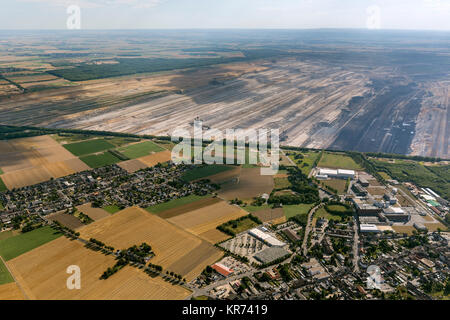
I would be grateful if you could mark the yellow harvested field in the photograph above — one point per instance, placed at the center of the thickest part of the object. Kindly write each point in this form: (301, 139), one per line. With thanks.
(278, 220)
(176, 249)
(42, 275)
(214, 236)
(10, 291)
(205, 219)
(154, 159)
(93, 213)
(33, 160)
(132, 166)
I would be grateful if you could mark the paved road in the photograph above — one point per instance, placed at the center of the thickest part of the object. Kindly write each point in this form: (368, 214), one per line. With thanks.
(308, 230)
(355, 245)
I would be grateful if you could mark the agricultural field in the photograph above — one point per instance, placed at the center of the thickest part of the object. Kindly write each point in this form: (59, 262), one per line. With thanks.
(305, 160)
(100, 160)
(338, 161)
(10, 291)
(141, 149)
(176, 249)
(337, 184)
(153, 159)
(51, 260)
(191, 201)
(323, 213)
(239, 225)
(18, 245)
(67, 220)
(203, 221)
(226, 176)
(297, 209)
(281, 183)
(204, 172)
(270, 215)
(248, 185)
(88, 147)
(28, 161)
(5, 276)
(111, 209)
(8, 234)
(132, 166)
(2, 185)
(94, 213)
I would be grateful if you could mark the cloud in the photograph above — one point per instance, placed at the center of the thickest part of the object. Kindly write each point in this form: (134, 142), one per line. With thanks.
(101, 3)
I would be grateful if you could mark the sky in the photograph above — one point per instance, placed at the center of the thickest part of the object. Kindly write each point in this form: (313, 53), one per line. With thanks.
(224, 14)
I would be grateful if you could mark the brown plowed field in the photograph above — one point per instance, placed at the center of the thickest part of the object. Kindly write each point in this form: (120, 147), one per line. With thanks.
(203, 220)
(269, 215)
(154, 159)
(250, 184)
(66, 220)
(132, 166)
(93, 213)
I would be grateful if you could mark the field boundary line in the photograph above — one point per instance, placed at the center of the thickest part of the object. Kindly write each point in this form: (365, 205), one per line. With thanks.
(15, 280)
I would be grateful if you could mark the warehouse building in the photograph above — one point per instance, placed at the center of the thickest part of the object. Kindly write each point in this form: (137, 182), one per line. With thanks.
(336, 174)
(266, 238)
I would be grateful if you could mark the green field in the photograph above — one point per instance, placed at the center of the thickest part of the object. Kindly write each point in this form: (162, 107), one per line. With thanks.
(2, 186)
(306, 163)
(1, 171)
(281, 183)
(337, 184)
(140, 149)
(252, 209)
(204, 171)
(323, 213)
(338, 161)
(293, 210)
(17, 245)
(242, 225)
(8, 234)
(88, 147)
(111, 209)
(5, 276)
(100, 160)
(175, 203)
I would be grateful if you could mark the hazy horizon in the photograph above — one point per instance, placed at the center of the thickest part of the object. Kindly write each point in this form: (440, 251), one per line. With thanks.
(231, 14)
